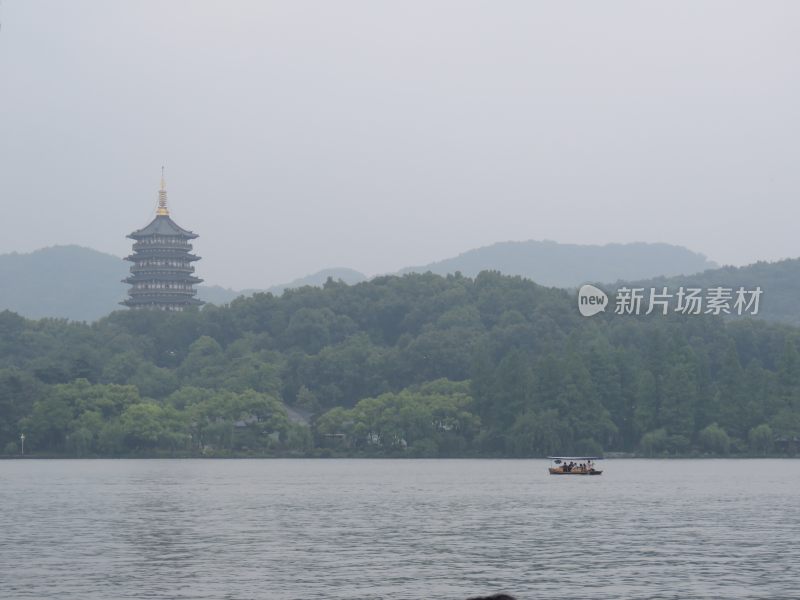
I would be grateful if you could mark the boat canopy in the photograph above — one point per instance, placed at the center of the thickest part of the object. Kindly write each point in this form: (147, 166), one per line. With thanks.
(575, 457)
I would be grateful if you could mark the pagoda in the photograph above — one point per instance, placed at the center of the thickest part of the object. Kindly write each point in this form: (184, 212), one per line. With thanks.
(162, 272)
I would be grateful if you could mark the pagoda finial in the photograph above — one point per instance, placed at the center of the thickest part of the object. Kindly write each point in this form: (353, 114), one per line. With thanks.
(162, 196)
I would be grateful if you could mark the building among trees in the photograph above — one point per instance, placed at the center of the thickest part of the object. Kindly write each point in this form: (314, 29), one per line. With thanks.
(162, 274)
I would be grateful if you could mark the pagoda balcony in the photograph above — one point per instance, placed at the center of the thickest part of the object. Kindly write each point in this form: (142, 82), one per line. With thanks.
(139, 292)
(134, 279)
(162, 254)
(169, 306)
(139, 268)
(161, 246)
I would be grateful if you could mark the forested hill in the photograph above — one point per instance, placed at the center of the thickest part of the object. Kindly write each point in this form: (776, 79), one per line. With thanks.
(419, 365)
(780, 282)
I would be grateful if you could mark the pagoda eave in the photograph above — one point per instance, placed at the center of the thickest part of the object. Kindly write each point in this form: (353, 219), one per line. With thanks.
(170, 254)
(148, 300)
(138, 278)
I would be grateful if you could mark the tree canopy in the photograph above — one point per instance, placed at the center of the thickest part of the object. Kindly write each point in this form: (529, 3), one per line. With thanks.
(418, 365)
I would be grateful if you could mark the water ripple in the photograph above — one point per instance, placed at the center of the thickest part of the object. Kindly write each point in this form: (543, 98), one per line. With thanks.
(335, 529)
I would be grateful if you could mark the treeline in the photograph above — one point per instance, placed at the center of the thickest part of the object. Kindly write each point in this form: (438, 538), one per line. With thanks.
(419, 365)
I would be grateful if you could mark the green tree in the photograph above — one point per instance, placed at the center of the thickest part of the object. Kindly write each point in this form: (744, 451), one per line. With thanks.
(18, 392)
(679, 396)
(204, 366)
(714, 439)
(761, 439)
(655, 442)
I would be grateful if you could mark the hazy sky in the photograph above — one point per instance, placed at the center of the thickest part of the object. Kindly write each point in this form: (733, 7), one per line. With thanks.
(375, 135)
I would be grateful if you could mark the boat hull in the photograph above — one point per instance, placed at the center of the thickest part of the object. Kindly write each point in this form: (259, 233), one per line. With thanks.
(559, 471)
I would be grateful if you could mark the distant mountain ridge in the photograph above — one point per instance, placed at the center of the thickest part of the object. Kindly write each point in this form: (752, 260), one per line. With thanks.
(349, 276)
(220, 295)
(569, 265)
(71, 282)
(79, 283)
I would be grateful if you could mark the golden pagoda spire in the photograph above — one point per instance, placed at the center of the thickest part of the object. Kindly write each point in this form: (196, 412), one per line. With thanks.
(162, 197)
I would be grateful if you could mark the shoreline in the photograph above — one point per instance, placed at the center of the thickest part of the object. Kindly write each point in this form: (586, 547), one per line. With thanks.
(398, 458)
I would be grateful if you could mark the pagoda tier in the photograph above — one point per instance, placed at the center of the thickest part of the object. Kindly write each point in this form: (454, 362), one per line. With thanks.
(162, 272)
(152, 280)
(171, 253)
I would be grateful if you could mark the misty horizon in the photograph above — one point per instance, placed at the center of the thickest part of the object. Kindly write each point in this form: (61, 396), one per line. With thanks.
(331, 270)
(298, 137)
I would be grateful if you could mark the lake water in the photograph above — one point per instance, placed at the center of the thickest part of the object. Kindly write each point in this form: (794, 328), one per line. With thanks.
(241, 529)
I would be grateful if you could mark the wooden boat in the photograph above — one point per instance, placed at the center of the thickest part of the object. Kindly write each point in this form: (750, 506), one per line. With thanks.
(574, 465)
